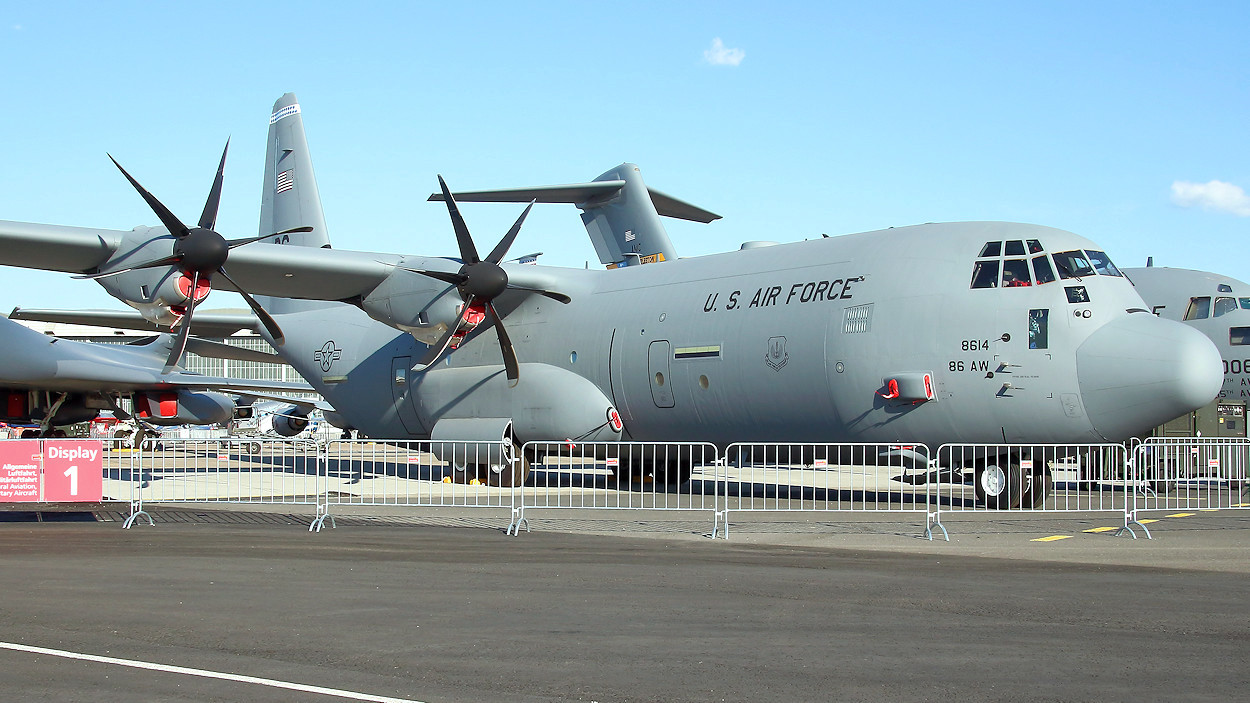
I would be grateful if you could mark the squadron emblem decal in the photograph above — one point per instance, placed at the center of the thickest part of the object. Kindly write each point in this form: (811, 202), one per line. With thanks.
(327, 355)
(777, 355)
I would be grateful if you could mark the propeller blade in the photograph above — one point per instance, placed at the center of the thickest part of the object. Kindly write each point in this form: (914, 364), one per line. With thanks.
(180, 342)
(437, 350)
(468, 252)
(167, 261)
(505, 346)
(558, 297)
(501, 249)
(265, 318)
(234, 243)
(167, 218)
(209, 216)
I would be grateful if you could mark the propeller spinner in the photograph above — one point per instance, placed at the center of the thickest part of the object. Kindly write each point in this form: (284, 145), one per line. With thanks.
(199, 252)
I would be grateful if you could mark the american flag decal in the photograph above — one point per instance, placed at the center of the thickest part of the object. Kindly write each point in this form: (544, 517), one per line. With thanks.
(286, 181)
(629, 235)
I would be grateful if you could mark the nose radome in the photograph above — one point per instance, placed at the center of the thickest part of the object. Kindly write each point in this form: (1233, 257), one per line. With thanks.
(1140, 371)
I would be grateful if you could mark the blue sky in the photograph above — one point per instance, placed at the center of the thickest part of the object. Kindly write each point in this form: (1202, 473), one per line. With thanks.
(1125, 122)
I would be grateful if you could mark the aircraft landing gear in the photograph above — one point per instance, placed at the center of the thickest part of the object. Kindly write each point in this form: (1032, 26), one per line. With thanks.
(1037, 487)
(999, 483)
(513, 472)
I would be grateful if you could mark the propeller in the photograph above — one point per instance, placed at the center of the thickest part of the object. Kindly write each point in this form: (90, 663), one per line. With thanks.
(199, 252)
(479, 281)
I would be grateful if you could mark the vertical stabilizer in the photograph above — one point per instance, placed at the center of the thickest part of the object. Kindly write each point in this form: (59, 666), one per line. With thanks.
(289, 197)
(625, 227)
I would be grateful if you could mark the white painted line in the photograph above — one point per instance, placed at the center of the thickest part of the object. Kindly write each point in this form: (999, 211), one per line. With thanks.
(352, 695)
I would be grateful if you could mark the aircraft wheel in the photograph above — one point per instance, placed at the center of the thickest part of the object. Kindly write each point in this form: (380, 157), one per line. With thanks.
(671, 473)
(999, 483)
(1037, 488)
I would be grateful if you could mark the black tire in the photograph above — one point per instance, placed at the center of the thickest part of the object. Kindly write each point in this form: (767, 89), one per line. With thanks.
(513, 474)
(671, 473)
(999, 483)
(1038, 486)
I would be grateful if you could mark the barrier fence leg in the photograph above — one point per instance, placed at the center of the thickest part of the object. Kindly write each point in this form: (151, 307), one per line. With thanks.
(136, 491)
(518, 512)
(1130, 504)
(720, 514)
(323, 490)
(933, 497)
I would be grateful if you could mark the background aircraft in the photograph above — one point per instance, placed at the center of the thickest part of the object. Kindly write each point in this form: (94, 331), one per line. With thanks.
(985, 332)
(54, 382)
(1219, 307)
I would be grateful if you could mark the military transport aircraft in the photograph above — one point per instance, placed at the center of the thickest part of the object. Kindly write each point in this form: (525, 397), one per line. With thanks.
(987, 332)
(54, 382)
(1219, 307)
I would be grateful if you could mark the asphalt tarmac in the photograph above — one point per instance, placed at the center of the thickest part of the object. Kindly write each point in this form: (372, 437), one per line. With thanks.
(447, 608)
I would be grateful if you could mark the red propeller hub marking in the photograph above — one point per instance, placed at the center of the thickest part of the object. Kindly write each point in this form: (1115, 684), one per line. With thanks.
(201, 291)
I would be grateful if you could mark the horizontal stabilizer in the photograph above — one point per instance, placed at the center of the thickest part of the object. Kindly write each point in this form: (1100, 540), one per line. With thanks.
(583, 195)
(208, 324)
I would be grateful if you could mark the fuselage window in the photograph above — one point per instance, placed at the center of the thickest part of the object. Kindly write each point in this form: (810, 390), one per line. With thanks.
(1102, 263)
(1016, 273)
(1042, 271)
(1034, 246)
(1239, 336)
(1223, 305)
(1073, 264)
(991, 249)
(1015, 247)
(1199, 308)
(985, 274)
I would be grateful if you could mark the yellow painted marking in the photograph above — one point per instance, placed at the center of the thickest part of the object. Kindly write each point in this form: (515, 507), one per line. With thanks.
(1241, 505)
(1052, 538)
(1180, 515)
(1103, 529)
(1208, 510)
(1147, 521)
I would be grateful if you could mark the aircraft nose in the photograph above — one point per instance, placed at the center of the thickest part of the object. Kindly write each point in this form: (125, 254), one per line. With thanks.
(1140, 371)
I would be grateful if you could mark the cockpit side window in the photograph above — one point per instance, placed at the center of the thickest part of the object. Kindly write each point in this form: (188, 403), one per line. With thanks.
(1034, 246)
(985, 274)
(1015, 247)
(1239, 336)
(1224, 305)
(991, 249)
(1073, 264)
(1102, 263)
(1245, 303)
(1042, 271)
(1016, 273)
(1199, 308)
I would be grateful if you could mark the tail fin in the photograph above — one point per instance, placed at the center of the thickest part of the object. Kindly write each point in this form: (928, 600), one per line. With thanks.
(289, 197)
(621, 214)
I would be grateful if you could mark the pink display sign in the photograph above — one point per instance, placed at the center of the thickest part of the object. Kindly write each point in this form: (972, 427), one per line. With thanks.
(72, 471)
(20, 464)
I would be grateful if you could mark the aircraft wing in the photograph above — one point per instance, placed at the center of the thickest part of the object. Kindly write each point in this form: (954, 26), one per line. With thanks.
(208, 324)
(309, 273)
(56, 247)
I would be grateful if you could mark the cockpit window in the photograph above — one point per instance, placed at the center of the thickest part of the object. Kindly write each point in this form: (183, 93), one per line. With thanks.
(1245, 303)
(1015, 247)
(985, 274)
(1239, 336)
(1102, 264)
(1073, 264)
(1223, 288)
(1016, 273)
(1224, 305)
(991, 249)
(1199, 308)
(1034, 246)
(1042, 271)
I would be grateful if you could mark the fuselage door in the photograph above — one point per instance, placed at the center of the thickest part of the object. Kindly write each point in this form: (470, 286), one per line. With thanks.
(401, 395)
(659, 358)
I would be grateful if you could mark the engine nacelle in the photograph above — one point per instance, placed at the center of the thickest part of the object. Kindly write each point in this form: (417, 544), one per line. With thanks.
(159, 294)
(286, 421)
(416, 304)
(168, 408)
(22, 406)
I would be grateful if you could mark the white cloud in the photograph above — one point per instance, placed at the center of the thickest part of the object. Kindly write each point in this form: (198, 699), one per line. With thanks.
(1213, 195)
(718, 55)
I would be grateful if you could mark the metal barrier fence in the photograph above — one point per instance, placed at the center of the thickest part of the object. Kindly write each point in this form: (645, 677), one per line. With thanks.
(432, 474)
(274, 472)
(620, 475)
(1187, 473)
(1158, 474)
(777, 477)
(1034, 477)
